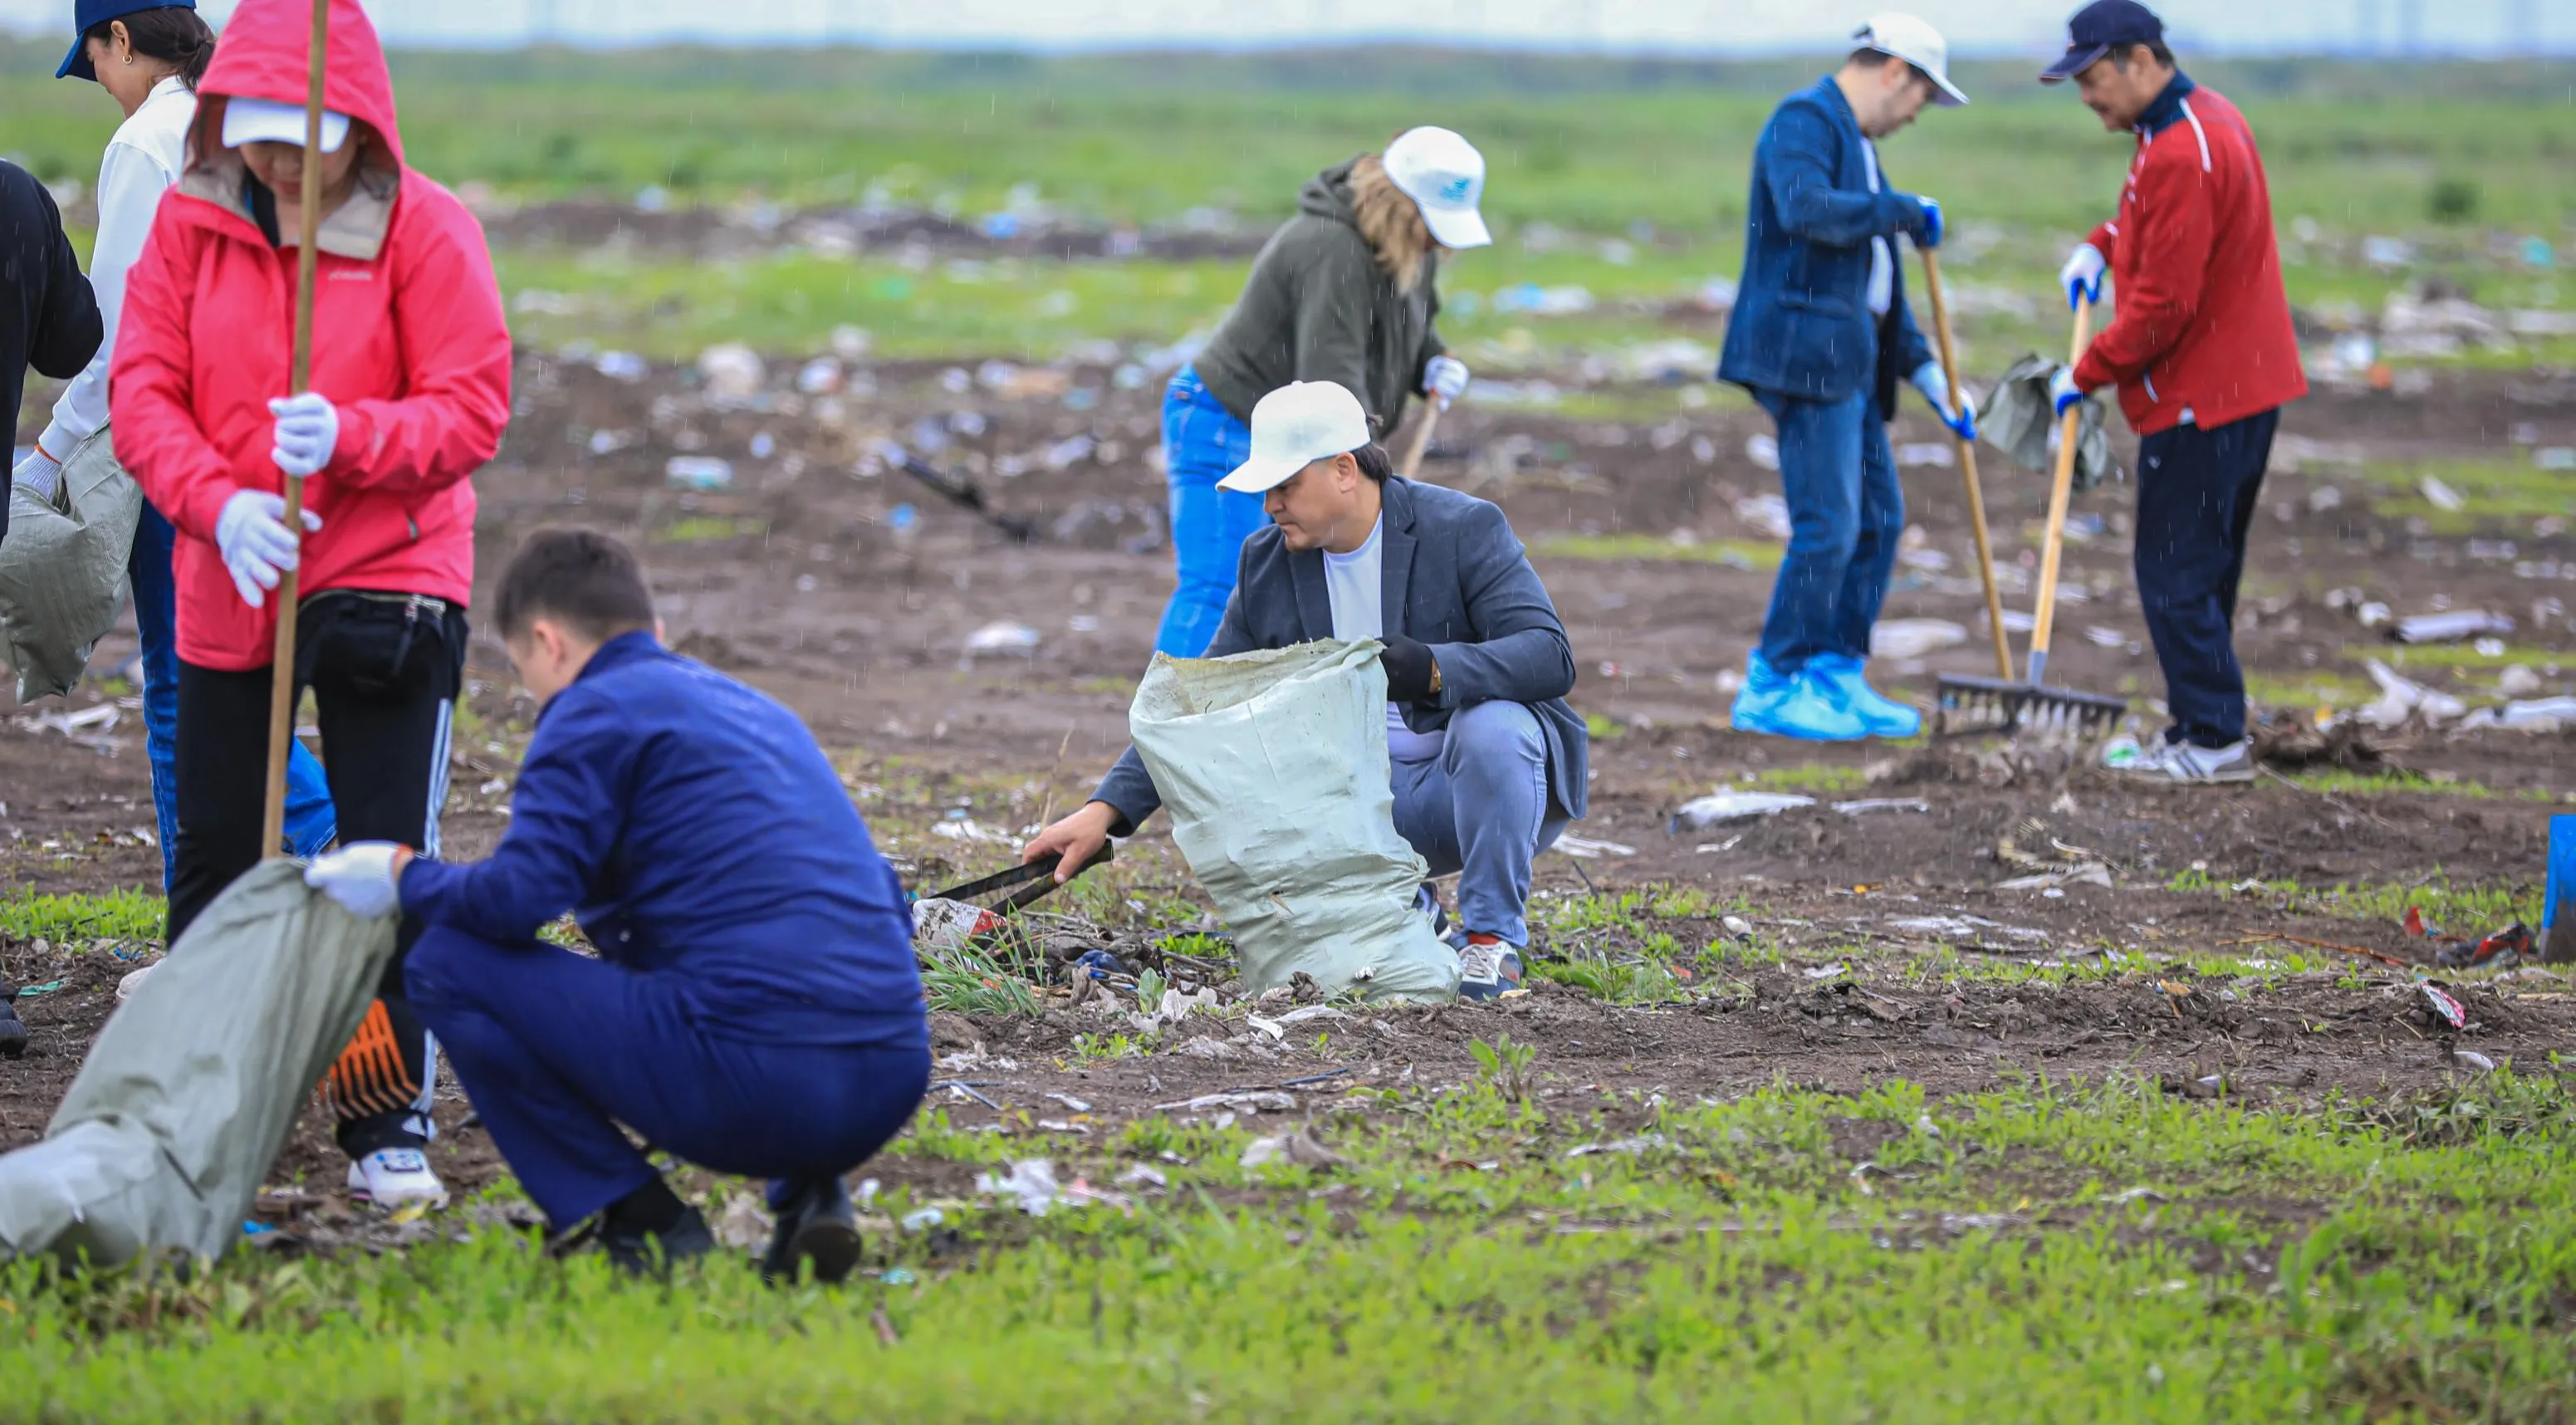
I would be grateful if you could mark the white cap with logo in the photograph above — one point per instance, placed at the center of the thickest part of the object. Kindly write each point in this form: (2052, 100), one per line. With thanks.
(267, 121)
(1445, 177)
(1918, 44)
(1295, 426)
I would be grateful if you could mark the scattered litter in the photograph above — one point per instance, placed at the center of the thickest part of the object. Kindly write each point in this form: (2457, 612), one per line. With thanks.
(2518, 681)
(132, 981)
(1638, 1144)
(2401, 697)
(1271, 1027)
(1903, 639)
(2472, 1059)
(1929, 453)
(920, 1219)
(1767, 514)
(2440, 495)
(1031, 1181)
(31, 991)
(1736, 926)
(1871, 804)
(1176, 1006)
(1069, 1101)
(2506, 948)
(1719, 808)
(1142, 1175)
(622, 366)
(2101, 637)
(2092, 873)
(1301, 1148)
(947, 924)
(1833, 971)
(2554, 457)
(733, 372)
(1590, 849)
(2451, 627)
(699, 472)
(2441, 1006)
(1013, 639)
(1239, 1100)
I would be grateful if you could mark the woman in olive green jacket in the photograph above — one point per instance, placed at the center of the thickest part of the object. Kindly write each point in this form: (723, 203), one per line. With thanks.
(1344, 291)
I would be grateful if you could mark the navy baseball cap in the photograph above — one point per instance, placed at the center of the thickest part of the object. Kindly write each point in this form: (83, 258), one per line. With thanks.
(89, 13)
(2098, 29)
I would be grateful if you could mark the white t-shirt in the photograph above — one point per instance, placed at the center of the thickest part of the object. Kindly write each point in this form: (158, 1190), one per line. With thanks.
(141, 161)
(1356, 583)
(1882, 258)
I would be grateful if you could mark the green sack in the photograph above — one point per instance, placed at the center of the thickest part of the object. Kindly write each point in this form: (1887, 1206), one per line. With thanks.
(192, 1089)
(2017, 420)
(62, 568)
(1273, 765)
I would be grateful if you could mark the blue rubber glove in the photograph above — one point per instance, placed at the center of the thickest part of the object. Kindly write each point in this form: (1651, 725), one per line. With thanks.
(2062, 392)
(2082, 275)
(1934, 383)
(1930, 236)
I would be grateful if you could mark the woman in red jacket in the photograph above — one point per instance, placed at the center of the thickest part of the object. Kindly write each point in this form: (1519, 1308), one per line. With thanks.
(410, 392)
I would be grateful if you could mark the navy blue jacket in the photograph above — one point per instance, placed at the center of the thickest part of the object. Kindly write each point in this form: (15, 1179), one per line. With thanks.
(694, 829)
(1452, 575)
(1802, 325)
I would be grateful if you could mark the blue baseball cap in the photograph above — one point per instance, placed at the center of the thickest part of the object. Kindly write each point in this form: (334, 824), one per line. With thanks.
(89, 14)
(2098, 29)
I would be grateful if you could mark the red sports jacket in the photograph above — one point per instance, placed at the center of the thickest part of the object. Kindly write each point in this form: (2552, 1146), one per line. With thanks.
(2203, 324)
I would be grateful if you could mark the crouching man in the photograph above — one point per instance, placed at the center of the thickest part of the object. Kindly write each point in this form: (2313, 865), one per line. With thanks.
(1488, 761)
(754, 1007)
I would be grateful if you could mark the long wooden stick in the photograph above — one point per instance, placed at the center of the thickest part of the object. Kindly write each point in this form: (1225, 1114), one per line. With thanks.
(2044, 618)
(1420, 441)
(1968, 466)
(281, 668)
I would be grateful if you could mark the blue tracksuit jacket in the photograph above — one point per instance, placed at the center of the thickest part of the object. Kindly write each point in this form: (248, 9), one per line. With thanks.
(694, 829)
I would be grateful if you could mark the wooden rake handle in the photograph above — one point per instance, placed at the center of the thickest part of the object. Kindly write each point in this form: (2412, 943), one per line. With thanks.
(2044, 618)
(281, 668)
(1968, 465)
(1419, 441)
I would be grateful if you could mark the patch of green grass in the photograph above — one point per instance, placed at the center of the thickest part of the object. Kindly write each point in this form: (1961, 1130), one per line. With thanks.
(699, 528)
(2459, 909)
(1815, 779)
(971, 981)
(2405, 1259)
(2337, 782)
(1751, 555)
(2493, 493)
(2403, 656)
(127, 915)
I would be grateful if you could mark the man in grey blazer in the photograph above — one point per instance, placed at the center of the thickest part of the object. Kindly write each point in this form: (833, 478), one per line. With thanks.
(1488, 762)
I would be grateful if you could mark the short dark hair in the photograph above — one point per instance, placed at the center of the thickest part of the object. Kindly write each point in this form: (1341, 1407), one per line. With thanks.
(577, 577)
(170, 34)
(2120, 54)
(1374, 462)
(1878, 58)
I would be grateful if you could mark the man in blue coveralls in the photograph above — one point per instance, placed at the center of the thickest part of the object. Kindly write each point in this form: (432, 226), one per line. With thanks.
(755, 1007)
(1822, 336)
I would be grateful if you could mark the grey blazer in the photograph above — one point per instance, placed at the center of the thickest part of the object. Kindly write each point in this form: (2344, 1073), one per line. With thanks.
(1456, 578)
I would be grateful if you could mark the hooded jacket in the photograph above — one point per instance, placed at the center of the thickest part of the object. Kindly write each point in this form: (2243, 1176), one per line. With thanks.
(408, 343)
(1319, 307)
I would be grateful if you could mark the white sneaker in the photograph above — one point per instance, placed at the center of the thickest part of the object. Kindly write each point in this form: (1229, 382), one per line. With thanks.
(2125, 753)
(2189, 763)
(396, 1177)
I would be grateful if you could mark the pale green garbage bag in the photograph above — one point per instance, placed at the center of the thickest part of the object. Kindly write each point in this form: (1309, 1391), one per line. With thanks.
(193, 1087)
(1273, 766)
(2019, 420)
(62, 568)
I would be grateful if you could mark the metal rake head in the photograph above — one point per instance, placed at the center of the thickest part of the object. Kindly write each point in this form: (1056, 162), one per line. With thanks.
(1992, 705)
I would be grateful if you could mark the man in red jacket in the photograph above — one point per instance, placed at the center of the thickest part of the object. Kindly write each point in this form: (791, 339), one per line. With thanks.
(409, 394)
(2202, 351)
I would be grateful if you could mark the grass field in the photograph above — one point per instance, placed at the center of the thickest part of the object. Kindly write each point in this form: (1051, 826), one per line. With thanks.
(2053, 1251)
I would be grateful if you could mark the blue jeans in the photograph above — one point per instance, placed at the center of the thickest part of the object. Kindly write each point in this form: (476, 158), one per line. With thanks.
(1202, 444)
(310, 822)
(557, 1050)
(1846, 513)
(2198, 491)
(1482, 809)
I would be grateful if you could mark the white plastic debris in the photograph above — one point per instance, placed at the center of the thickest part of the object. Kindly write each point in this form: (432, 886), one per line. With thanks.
(946, 924)
(133, 981)
(2518, 681)
(1589, 848)
(2440, 495)
(1866, 805)
(622, 366)
(1903, 639)
(2451, 627)
(732, 371)
(1764, 450)
(699, 472)
(1718, 808)
(1013, 639)
(1031, 1182)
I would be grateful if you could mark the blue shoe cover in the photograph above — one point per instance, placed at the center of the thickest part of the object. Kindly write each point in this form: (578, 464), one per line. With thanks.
(1795, 706)
(1882, 715)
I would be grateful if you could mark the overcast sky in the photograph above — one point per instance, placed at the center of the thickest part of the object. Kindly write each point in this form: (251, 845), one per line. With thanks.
(1987, 26)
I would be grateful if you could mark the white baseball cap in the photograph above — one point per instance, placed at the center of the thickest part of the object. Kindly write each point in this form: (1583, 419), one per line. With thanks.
(1918, 44)
(1295, 426)
(1445, 177)
(267, 121)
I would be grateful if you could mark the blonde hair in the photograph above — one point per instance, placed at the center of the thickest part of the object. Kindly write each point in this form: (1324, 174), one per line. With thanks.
(1390, 221)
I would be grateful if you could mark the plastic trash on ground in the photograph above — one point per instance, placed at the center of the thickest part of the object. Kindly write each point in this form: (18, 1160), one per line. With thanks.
(2018, 419)
(733, 372)
(62, 568)
(1906, 638)
(1719, 808)
(699, 472)
(2451, 627)
(1273, 765)
(191, 1090)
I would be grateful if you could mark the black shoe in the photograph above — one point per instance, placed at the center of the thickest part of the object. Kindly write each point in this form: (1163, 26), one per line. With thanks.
(653, 1254)
(818, 1225)
(13, 1030)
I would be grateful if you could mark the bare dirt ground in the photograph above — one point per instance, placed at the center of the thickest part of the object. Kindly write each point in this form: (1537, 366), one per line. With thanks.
(853, 593)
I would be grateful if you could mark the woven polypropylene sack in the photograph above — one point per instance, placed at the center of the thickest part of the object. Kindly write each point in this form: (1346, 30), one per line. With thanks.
(62, 568)
(2018, 419)
(1273, 765)
(193, 1087)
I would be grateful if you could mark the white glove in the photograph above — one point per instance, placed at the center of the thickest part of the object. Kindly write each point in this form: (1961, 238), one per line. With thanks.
(2082, 275)
(308, 430)
(1444, 379)
(39, 472)
(360, 877)
(256, 544)
(1934, 383)
(2062, 392)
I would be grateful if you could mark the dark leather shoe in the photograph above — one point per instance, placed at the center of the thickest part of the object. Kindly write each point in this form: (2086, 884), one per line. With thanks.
(13, 1030)
(653, 1254)
(819, 1225)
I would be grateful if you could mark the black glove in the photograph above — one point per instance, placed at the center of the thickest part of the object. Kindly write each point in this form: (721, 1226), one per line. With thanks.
(1410, 672)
